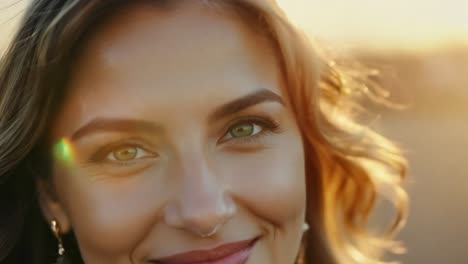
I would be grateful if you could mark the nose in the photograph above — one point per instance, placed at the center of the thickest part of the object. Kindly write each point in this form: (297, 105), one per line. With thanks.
(202, 205)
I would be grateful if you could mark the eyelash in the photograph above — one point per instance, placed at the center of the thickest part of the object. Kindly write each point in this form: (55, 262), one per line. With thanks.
(268, 126)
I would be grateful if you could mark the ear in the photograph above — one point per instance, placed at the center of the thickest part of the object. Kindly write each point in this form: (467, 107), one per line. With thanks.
(51, 207)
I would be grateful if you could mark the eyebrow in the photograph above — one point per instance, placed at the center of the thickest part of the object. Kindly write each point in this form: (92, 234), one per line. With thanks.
(132, 125)
(109, 124)
(257, 97)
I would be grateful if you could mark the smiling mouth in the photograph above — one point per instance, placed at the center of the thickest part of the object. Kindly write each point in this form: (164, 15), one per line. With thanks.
(231, 253)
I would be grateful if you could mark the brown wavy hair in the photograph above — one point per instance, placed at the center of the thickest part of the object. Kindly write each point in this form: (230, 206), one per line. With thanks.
(348, 165)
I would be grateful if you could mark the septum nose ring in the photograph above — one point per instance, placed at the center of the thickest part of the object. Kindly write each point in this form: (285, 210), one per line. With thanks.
(211, 233)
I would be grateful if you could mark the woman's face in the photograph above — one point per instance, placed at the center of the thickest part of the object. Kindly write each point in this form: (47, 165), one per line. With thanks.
(175, 126)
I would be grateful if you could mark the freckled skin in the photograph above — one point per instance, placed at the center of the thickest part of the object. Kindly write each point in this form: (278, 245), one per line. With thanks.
(174, 69)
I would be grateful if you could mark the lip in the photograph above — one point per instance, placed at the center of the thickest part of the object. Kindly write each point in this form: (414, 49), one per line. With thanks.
(230, 253)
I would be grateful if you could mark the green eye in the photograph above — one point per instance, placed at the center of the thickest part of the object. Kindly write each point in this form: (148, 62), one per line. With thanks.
(248, 129)
(124, 154)
(242, 130)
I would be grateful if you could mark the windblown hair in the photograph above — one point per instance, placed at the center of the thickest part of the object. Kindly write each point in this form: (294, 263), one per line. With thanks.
(348, 165)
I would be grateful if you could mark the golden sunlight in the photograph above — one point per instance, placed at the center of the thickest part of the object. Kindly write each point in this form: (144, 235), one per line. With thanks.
(414, 24)
(380, 24)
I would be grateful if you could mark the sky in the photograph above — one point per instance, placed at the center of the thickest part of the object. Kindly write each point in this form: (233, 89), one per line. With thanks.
(417, 24)
(383, 23)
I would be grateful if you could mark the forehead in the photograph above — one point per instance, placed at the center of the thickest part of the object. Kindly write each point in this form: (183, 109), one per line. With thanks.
(147, 57)
(173, 38)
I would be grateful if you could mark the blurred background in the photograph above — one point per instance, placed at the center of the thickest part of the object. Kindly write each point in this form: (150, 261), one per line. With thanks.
(421, 48)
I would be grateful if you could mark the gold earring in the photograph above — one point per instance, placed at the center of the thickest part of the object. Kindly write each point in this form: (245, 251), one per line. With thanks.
(61, 250)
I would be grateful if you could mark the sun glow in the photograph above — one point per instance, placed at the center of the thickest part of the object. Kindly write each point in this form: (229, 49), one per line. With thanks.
(415, 24)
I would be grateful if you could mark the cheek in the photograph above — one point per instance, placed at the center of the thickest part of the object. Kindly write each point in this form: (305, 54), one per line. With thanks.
(110, 216)
(270, 182)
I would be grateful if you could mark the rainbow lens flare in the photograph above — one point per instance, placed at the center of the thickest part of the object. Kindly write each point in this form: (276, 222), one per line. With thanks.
(63, 151)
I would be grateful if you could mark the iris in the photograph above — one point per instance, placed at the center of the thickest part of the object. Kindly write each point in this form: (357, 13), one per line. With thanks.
(242, 130)
(125, 154)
